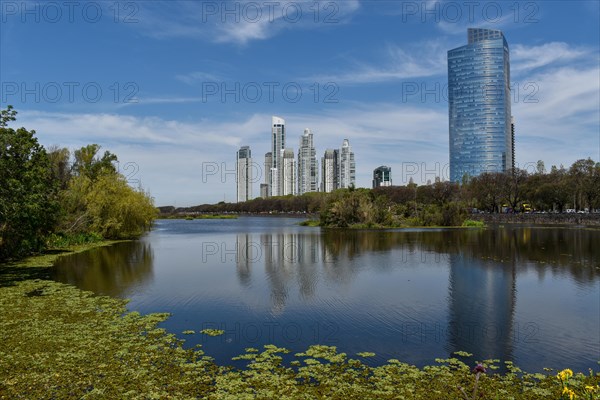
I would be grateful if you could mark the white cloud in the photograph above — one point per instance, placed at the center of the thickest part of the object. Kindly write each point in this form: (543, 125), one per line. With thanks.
(240, 22)
(423, 60)
(562, 125)
(524, 58)
(198, 76)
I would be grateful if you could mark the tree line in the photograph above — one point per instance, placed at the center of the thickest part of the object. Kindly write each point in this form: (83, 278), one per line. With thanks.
(53, 195)
(439, 203)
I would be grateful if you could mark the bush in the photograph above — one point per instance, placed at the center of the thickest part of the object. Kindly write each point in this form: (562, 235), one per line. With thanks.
(473, 223)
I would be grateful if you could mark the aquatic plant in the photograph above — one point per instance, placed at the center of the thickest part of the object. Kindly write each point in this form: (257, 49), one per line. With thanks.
(57, 341)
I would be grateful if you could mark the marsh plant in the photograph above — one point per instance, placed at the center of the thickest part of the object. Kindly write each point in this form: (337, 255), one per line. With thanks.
(59, 342)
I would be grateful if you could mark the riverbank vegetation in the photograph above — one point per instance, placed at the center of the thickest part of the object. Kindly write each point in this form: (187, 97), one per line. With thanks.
(576, 189)
(197, 216)
(52, 198)
(57, 341)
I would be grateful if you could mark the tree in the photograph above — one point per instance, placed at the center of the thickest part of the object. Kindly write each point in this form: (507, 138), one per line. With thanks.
(488, 190)
(116, 210)
(513, 186)
(584, 181)
(99, 201)
(87, 163)
(27, 190)
(59, 161)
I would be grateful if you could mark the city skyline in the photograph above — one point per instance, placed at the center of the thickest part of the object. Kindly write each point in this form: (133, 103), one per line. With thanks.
(284, 175)
(373, 73)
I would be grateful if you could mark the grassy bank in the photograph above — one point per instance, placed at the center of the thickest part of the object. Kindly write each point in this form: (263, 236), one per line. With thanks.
(466, 224)
(203, 216)
(57, 341)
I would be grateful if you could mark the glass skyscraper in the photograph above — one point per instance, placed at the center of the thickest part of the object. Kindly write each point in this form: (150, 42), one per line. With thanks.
(479, 105)
(244, 174)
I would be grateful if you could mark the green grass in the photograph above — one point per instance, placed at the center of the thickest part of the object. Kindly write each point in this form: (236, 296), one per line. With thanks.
(202, 216)
(473, 224)
(62, 241)
(59, 342)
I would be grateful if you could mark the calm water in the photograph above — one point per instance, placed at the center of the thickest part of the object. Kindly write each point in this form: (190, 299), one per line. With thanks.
(526, 294)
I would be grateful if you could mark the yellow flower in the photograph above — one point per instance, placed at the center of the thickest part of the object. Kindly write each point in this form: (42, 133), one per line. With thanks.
(565, 374)
(569, 392)
(591, 389)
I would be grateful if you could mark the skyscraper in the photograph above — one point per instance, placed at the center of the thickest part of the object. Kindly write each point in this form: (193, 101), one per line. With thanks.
(347, 167)
(382, 176)
(479, 105)
(329, 170)
(265, 190)
(277, 144)
(308, 172)
(288, 181)
(244, 174)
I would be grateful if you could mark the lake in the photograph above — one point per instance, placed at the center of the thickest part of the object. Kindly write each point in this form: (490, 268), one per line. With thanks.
(528, 294)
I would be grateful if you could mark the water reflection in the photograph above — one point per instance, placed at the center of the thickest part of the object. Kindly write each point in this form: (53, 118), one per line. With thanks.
(482, 298)
(412, 295)
(115, 271)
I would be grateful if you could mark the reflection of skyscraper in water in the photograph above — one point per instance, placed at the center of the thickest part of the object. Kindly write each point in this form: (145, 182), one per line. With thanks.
(290, 259)
(482, 305)
(276, 270)
(245, 250)
(308, 258)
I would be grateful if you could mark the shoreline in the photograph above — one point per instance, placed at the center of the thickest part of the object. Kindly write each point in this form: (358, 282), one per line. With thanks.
(49, 256)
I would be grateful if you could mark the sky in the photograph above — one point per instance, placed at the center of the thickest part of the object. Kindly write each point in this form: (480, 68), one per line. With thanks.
(175, 88)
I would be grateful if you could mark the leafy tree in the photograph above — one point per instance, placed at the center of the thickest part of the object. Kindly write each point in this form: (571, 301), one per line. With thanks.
(487, 190)
(513, 186)
(27, 190)
(117, 211)
(87, 163)
(585, 182)
(61, 167)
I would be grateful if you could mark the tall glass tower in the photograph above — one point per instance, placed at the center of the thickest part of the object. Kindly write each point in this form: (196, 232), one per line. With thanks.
(479, 105)
(244, 174)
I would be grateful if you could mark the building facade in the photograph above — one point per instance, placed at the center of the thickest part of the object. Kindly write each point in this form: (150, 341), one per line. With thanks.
(277, 145)
(267, 174)
(382, 176)
(347, 166)
(479, 102)
(288, 179)
(329, 170)
(244, 174)
(308, 171)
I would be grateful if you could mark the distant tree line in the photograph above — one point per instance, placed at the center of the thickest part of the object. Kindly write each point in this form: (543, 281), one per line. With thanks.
(52, 196)
(439, 203)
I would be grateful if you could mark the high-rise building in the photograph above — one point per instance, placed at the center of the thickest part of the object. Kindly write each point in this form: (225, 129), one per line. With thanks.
(277, 144)
(288, 180)
(347, 167)
(512, 141)
(244, 174)
(264, 190)
(479, 105)
(382, 176)
(329, 170)
(267, 172)
(308, 172)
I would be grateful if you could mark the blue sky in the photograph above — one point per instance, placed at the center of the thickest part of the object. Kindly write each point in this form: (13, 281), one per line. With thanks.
(174, 88)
